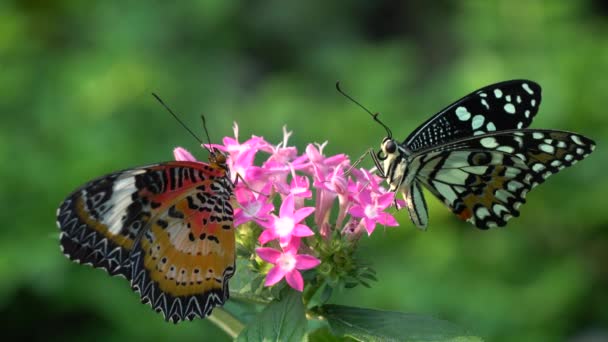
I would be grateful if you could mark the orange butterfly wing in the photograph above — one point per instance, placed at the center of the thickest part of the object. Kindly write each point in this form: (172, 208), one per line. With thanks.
(167, 228)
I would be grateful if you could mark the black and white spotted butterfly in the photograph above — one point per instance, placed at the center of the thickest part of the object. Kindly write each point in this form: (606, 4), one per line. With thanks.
(477, 156)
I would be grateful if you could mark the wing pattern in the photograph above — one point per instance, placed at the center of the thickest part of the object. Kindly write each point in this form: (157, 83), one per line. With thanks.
(485, 179)
(167, 228)
(501, 106)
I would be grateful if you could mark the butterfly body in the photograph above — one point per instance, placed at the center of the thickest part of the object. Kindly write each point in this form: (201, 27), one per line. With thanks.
(478, 157)
(167, 228)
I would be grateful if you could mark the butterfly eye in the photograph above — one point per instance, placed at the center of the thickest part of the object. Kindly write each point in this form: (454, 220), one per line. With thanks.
(220, 159)
(390, 147)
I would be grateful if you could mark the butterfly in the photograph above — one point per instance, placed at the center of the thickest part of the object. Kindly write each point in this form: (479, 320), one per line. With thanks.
(167, 228)
(477, 155)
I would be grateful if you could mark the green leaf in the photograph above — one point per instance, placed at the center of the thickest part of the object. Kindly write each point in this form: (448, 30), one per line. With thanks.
(282, 320)
(375, 325)
(241, 282)
(325, 335)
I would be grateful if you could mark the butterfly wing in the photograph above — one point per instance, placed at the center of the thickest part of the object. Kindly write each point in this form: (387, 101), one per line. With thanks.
(501, 106)
(165, 227)
(485, 179)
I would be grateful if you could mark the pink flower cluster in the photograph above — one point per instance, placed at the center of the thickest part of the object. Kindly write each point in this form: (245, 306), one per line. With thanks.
(285, 173)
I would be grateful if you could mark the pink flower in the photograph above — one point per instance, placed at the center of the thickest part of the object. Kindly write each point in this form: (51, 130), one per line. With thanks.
(287, 224)
(252, 206)
(287, 264)
(370, 209)
(181, 154)
(328, 187)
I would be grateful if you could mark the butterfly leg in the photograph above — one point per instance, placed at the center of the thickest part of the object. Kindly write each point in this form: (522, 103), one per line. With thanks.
(369, 152)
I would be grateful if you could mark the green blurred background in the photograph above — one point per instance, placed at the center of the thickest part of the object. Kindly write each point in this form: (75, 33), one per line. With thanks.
(75, 84)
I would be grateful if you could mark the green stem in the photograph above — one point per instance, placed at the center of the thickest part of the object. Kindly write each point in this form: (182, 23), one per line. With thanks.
(249, 299)
(226, 321)
(311, 290)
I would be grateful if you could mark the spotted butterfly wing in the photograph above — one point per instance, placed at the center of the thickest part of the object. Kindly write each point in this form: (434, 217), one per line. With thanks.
(500, 106)
(485, 180)
(167, 228)
(477, 157)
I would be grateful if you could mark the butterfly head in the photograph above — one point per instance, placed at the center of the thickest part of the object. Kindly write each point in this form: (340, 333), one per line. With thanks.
(218, 160)
(387, 155)
(388, 149)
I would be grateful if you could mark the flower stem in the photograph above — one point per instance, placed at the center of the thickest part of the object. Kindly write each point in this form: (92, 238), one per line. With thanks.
(227, 322)
(249, 298)
(311, 290)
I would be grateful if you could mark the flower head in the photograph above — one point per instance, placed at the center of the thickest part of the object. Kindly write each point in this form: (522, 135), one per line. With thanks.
(287, 224)
(371, 210)
(287, 264)
(265, 174)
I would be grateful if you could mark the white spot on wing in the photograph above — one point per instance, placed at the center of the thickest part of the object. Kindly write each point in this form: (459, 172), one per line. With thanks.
(514, 185)
(537, 135)
(490, 127)
(463, 114)
(538, 167)
(482, 212)
(499, 208)
(446, 191)
(503, 195)
(498, 93)
(527, 88)
(506, 149)
(576, 139)
(547, 148)
(485, 103)
(477, 121)
(488, 142)
(519, 140)
(510, 108)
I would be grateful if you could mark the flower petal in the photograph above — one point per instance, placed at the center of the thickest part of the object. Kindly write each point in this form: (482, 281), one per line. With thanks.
(385, 200)
(284, 241)
(292, 246)
(370, 225)
(365, 197)
(267, 235)
(274, 276)
(294, 279)
(305, 261)
(301, 231)
(357, 211)
(181, 154)
(268, 254)
(302, 213)
(386, 219)
(287, 207)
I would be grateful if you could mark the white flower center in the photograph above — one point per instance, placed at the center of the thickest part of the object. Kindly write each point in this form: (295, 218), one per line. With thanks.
(287, 262)
(284, 226)
(370, 211)
(252, 209)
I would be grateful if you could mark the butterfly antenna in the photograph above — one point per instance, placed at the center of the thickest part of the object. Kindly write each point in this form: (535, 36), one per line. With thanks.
(206, 132)
(178, 119)
(373, 115)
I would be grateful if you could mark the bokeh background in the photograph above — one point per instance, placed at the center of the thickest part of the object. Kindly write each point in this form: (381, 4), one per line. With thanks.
(75, 84)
